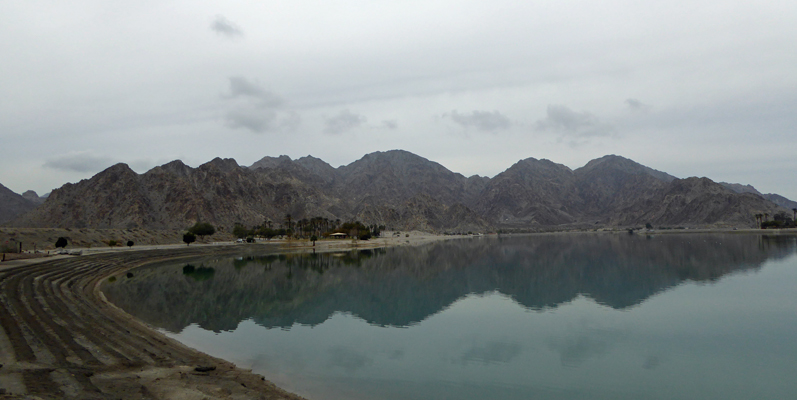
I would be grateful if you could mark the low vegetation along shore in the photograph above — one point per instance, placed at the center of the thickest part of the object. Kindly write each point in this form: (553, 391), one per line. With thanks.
(61, 338)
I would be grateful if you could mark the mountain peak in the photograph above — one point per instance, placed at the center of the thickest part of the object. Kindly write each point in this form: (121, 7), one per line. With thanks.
(176, 167)
(318, 167)
(270, 162)
(223, 164)
(739, 188)
(400, 161)
(118, 169)
(540, 165)
(622, 164)
(31, 195)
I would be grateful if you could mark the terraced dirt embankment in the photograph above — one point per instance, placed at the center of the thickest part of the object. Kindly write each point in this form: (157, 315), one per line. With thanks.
(61, 339)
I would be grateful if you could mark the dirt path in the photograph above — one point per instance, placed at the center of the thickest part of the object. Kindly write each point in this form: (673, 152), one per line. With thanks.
(60, 339)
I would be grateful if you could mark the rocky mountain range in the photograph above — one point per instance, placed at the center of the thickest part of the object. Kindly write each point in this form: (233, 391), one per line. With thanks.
(397, 189)
(775, 198)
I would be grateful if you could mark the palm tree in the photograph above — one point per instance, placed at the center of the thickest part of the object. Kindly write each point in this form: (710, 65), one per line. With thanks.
(794, 218)
(758, 219)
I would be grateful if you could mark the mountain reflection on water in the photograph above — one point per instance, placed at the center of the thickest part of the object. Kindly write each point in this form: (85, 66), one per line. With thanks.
(405, 285)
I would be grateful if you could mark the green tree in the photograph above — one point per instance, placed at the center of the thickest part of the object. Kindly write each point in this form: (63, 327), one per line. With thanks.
(202, 229)
(61, 242)
(313, 239)
(129, 243)
(267, 233)
(112, 243)
(240, 231)
(189, 238)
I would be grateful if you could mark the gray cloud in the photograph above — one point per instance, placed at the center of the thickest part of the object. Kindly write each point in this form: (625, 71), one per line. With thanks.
(291, 121)
(79, 162)
(723, 92)
(568, 123)
(344, 121)
(482, 120)
(257, 109)
(256, 120)
(241, 87)
(261, 120)
(390, 124)
(224, 27)
(636, 105)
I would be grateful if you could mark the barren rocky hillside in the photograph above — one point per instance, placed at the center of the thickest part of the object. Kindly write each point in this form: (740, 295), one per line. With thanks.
(398, 189)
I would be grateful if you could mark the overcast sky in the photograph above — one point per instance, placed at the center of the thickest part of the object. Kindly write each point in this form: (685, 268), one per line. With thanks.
(692, 88)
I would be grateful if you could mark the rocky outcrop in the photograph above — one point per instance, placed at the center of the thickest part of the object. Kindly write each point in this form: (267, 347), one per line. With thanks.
(34, 197)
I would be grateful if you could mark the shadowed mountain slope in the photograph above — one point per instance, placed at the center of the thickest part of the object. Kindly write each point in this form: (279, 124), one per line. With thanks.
(13, 205)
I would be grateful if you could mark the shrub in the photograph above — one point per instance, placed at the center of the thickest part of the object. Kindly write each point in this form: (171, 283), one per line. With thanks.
(771, 224)
(189, 238)
(202, 229)
(129, 243)
(61, 242)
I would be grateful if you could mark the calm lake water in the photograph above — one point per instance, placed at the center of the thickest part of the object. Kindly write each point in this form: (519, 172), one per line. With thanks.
(581, 316)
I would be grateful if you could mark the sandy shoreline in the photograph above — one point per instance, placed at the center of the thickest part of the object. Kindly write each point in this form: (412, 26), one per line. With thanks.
(61, 338)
